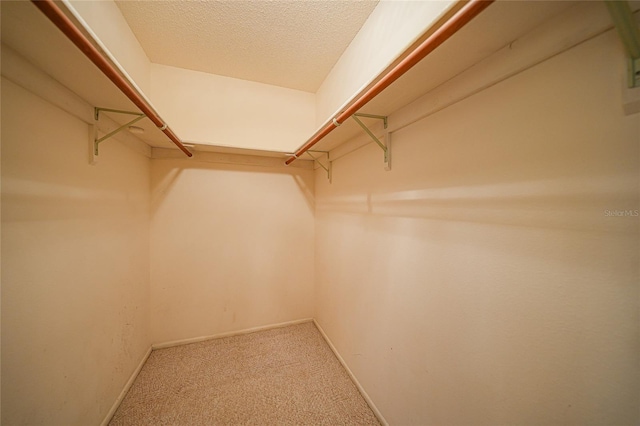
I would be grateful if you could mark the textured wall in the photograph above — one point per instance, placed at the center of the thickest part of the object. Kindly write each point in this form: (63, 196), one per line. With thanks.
(492, 276)
(231, 247)
(75, 266)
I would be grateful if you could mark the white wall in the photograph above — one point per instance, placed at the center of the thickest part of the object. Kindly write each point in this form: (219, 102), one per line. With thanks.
(486, 278)
(75, 266)
(217, 110)
(232, 247)
(389, 30)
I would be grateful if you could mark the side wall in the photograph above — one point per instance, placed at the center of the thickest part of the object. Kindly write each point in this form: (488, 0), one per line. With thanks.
(232, 247)
(492, 276)
(75, 266)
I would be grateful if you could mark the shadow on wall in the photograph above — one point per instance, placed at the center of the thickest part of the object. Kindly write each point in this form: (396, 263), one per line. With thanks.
(51, 201)
(165, 178)
(590, 203)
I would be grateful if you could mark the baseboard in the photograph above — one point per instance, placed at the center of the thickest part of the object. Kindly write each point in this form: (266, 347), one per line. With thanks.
(227, 334)
(353, 377)
(127, 385)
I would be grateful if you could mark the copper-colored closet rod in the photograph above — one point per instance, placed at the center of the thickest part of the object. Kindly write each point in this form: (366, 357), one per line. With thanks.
(55, 15)
(450, 27)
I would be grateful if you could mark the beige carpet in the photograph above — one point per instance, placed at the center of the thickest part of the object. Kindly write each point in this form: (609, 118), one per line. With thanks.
(283, 376)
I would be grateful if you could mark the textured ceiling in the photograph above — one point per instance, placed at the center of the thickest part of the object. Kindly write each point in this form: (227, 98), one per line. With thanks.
(284, 43)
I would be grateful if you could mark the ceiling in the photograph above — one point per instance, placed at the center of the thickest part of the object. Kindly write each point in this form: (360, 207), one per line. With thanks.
(291, 44)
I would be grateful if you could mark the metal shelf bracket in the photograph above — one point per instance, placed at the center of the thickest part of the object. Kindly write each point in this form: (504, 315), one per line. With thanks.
(386, 146)
(95, 143)
(633, 72)
(625, 23)
(329, 168)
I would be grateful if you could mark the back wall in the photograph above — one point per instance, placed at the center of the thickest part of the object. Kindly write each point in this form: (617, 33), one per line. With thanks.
(232, 247)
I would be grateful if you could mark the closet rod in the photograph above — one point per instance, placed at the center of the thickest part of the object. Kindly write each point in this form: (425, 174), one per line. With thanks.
(64, 24)
(469, 11)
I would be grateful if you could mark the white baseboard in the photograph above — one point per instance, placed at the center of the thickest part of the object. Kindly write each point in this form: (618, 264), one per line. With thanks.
(353, 377)
(127, 385)
(227, 334)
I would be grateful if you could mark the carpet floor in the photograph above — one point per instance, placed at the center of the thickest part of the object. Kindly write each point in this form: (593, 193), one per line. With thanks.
(282, 376)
